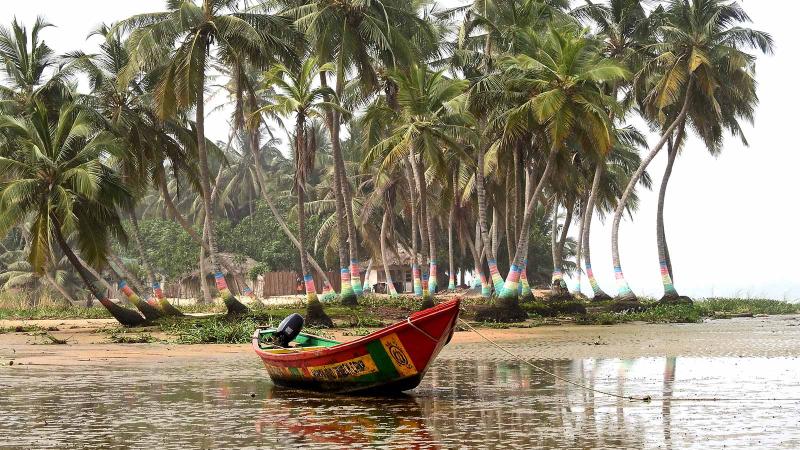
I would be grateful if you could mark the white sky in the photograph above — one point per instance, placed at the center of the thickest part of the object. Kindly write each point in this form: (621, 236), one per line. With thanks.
(731, 220)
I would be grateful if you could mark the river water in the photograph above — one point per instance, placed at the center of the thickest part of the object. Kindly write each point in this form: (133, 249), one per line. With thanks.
(229, 403)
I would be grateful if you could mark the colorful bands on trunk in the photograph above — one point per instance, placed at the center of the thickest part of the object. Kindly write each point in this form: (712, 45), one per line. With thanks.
(311, 289)
(511, 284)
(497, 279)
(592, 280)
(433, 281)
(347, 288)
(248, 292)
(355, 278)
(525, 288)
(222, 287)
(666, 279)
(157, 291)
(417, 280)
(622, 285)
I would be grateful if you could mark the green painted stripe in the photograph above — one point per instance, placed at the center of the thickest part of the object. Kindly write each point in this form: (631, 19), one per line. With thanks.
(382, 360)
(295, 371)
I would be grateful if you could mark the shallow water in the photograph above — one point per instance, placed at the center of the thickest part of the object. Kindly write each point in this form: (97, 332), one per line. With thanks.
(461, 404)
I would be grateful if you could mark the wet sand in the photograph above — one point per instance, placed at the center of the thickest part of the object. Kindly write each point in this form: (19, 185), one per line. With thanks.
(88, 342)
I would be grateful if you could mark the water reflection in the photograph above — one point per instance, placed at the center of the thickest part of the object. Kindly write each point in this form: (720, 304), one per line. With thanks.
(460, 404)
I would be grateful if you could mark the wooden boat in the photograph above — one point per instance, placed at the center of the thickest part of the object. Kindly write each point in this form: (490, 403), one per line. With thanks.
(390, 360)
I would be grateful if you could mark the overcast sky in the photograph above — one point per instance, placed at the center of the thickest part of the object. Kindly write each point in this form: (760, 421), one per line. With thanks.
(731, 221)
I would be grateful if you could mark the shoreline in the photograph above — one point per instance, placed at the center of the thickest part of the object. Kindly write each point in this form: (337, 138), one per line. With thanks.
(88, 343)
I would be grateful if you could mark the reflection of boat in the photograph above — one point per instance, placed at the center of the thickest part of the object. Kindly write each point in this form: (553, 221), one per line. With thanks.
(393, 359)
(297, 418)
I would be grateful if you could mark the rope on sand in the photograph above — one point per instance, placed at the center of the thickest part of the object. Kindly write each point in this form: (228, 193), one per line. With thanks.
(646, 398)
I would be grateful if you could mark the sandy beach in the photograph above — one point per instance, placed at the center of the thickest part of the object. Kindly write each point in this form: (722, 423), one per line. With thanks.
(88, 342)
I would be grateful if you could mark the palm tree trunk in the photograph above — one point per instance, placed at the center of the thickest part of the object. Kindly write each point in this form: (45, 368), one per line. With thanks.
(579, 252)
(508, 218)
(206, 292)
(424, 225)
(451, 285)
(517, 190)
(559, 286)
(478, 267)
(233, 305)
(148, 311)
(433, 280)
(624, 292)
(597, 293)
(415, 274)
(124, 316)
(348, 296)
(670, 293)
(390, 289)
(480, 189)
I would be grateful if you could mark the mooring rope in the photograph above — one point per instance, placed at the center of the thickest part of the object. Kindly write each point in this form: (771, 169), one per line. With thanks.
(645, 398)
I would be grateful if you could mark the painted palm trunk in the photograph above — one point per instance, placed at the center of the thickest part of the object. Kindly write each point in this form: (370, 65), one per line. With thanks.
(666, 280)
(511, 285)
(497, 279)
(433, 281)
(222, 288)
(592, 280)
(355, 278)
(622, 286)
(311, 289)
(417, 280)
(249, 292)
(525, 288)
(425, 292)
(149, 311)
(451, 283)
(486, 287)
(347, 288)
(163, 303)
(390, 360)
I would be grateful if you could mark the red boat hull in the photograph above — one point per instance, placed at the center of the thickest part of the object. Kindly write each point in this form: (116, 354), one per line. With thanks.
(393, 359)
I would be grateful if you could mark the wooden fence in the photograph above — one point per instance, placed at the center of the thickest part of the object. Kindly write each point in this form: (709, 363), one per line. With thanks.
(285, 283)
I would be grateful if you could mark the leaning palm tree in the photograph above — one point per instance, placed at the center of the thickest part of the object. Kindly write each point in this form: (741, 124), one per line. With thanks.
(298, 97)
(60, 180)
(559, 86)
(177, 46)
(700, 63)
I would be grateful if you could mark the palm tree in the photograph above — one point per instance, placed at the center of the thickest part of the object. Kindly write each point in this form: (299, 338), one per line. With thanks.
(60, 180)
(32, 70)
(430, 126)
(367, 37)
(298, 96)
(176, 46)
(699, 64)
(557, 88)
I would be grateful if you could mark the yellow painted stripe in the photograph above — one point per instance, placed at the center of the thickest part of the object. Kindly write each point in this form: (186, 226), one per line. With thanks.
(398, 354)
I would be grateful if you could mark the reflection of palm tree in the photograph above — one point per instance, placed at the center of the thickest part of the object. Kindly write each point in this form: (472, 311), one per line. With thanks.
(666, 403)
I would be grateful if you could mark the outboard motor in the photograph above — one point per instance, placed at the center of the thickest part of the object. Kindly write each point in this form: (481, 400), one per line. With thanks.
(288, 329)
